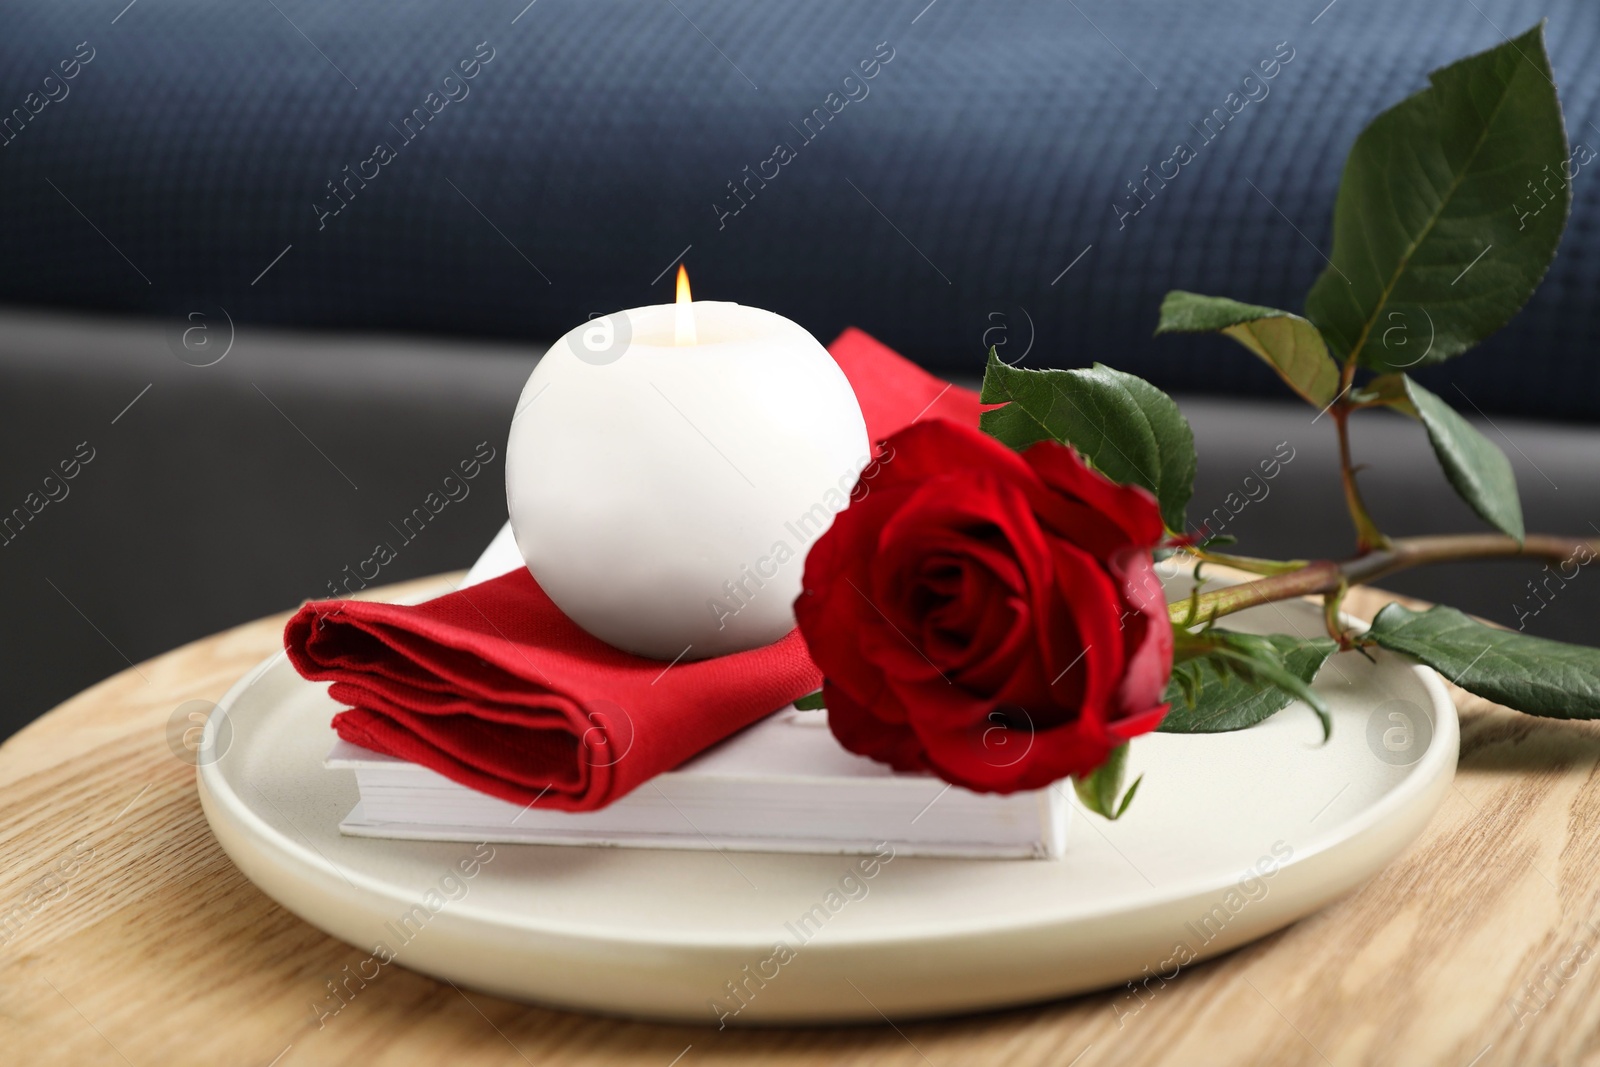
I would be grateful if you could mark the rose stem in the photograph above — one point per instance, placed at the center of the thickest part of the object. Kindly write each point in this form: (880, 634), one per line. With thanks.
(1368, 536)
(1326, 576)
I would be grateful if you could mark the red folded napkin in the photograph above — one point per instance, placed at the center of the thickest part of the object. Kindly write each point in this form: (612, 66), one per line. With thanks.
(894, 392)
(493, 687)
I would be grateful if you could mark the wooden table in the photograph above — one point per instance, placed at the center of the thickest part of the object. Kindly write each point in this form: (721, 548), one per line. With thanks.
(128, 937)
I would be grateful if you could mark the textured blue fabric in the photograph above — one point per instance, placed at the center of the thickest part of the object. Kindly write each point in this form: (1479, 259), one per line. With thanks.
(600, 138)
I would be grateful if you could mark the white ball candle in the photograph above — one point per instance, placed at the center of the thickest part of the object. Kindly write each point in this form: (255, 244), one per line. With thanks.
(668, 468)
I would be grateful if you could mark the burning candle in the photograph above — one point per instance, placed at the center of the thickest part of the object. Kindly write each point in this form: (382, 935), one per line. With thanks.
(669, 466)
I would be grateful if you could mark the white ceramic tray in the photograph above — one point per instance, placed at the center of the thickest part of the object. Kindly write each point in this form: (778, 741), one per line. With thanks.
(1232, 836)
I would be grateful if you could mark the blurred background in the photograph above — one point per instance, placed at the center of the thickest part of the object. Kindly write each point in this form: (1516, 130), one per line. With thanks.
(272, 269)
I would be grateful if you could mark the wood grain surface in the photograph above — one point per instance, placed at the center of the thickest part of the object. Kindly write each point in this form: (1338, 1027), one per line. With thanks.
(128, 937)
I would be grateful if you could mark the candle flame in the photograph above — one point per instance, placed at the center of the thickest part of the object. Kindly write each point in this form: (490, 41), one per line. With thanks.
(685, 333)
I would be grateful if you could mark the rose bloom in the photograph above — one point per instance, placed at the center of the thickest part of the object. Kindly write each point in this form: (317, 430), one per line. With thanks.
(989, 616)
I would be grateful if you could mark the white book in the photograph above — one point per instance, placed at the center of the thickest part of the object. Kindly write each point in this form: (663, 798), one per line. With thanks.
(783, 784)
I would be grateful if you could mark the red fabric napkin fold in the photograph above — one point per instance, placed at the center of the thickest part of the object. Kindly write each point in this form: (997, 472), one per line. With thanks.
(893, 391)
(493, 687)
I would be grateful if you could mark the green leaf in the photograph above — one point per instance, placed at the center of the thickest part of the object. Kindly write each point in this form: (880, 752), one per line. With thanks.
(1476, 467)
(1529, 674)
(1098, 791)
(1125, 427)
(810, 702)
(1258, 662)
(1438, 235)
(1288, 343)
(1223, 700)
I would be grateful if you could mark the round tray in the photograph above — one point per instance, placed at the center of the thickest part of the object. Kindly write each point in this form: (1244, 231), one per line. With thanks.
(1232, 836)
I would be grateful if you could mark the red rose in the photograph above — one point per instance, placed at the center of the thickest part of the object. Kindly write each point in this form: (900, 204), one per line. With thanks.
(989, 616)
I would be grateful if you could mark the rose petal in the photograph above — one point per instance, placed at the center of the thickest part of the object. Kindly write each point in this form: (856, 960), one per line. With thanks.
(1083, 645)
(866, 733)
(989, 526)
(834, 618)
(1149, 663)
(1130, 506)
(937, 448)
